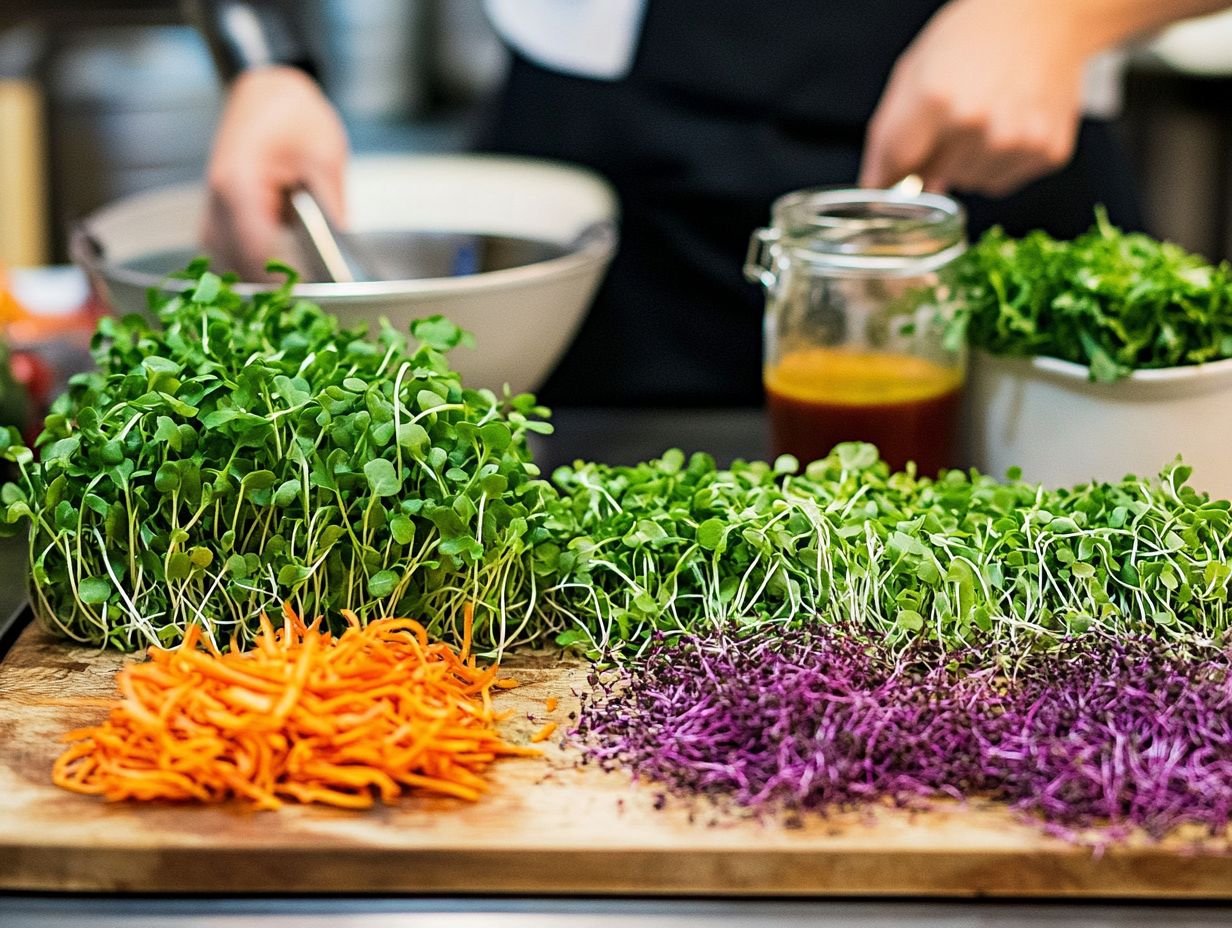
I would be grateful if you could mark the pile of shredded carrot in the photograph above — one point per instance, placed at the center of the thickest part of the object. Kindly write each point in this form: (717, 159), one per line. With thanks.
(302, 716)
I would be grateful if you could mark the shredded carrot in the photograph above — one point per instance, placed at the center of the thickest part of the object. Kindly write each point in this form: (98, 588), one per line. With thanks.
(544, 733)
(376, 712)
(550, 704)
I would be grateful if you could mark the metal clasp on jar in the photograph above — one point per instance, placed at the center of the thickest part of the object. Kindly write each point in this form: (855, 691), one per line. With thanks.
(761, 262)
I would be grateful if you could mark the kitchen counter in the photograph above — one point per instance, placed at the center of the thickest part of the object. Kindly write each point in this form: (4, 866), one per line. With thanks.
(621, 437)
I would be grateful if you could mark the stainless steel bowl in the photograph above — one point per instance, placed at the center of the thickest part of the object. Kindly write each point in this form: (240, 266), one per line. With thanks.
(510, 249)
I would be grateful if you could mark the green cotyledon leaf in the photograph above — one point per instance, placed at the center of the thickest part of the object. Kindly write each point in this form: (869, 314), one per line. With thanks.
(251, 448)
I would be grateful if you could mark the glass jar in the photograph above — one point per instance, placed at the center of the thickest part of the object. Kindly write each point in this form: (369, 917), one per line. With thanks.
(854, 335)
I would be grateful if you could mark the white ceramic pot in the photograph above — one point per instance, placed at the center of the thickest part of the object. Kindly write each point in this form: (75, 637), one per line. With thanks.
(523, 317)
(1047, 417)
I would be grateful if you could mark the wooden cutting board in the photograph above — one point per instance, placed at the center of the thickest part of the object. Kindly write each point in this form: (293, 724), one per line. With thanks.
(546, 827)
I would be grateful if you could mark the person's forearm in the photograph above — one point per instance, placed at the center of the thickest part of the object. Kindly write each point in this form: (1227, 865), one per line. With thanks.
(1103, 24)
(277, 132)
(988, 96)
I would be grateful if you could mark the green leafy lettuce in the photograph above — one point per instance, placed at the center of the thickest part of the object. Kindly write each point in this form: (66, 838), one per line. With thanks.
(1114, 301)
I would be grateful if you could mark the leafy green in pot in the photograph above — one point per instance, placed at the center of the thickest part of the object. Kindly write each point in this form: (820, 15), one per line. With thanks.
(254, 451)
(1115, 301)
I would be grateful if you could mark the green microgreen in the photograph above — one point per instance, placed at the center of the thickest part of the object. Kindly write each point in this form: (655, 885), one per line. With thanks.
(253, 451)
(248, 452)
(678, 546)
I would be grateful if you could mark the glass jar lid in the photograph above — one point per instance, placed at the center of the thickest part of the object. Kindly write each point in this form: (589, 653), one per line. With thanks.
(869, 231)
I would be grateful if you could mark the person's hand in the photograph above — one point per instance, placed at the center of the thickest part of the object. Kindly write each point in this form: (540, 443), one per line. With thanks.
(987, 98)
(277, 130)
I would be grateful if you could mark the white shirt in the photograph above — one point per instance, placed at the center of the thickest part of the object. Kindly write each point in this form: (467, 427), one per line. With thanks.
(586, 38)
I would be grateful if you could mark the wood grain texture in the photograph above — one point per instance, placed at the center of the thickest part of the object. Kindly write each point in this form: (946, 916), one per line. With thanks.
(547, 826)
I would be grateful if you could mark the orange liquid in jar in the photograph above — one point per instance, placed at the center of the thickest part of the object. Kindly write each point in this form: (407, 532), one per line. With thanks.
(907, 406)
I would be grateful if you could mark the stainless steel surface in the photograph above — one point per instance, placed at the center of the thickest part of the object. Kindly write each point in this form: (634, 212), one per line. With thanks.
(392, 259)
(375, 56)
(93, 912)
(128, 108)
(534, 218)
(523, 314)
(909, 186)
(334, 256)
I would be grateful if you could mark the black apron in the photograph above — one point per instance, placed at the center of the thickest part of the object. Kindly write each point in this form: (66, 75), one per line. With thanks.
(728, 105)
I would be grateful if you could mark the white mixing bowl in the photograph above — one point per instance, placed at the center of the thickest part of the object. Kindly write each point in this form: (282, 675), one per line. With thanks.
(1047, 417)
(523, 317)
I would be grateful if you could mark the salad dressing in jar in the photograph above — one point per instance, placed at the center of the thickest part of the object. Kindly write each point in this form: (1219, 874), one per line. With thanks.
(854, 347)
